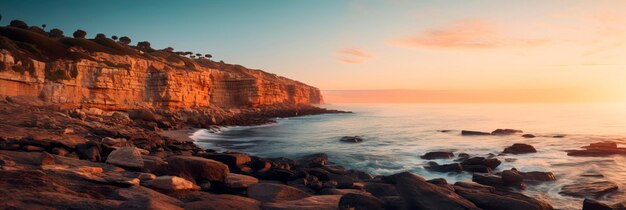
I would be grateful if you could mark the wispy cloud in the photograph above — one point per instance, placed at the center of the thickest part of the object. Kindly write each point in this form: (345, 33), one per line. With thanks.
(465, 34)
(353, 55)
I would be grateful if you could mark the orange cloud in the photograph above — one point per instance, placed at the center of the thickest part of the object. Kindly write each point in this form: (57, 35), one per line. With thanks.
(353, 55)
(464, 34)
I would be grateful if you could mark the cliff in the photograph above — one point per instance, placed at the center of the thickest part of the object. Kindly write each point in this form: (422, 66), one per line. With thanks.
(105, 74)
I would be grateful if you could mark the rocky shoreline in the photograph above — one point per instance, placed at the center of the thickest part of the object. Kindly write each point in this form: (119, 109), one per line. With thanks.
(92, 159)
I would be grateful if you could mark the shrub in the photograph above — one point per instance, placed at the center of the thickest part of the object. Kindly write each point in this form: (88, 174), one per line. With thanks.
(125, 40)
(199, 55)
(101, 36)
(169, 49)
(144, 45)
(37, 30)
(80, 34)
(19, 24)
(43, 26)
(114, 37)
(56, 33)
(208, 56)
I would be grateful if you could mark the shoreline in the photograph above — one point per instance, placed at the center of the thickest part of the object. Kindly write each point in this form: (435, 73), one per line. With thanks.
(124, 163)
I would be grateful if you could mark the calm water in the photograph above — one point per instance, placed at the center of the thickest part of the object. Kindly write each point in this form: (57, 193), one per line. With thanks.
(397, 134)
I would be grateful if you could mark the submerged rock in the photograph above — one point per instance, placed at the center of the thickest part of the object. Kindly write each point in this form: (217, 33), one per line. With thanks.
(351, 139)
(452, 167)
(594, 189)
(505, 132)
(529, 136)
(491, 163)
(437, 155)
(520, 148)
(474, 133)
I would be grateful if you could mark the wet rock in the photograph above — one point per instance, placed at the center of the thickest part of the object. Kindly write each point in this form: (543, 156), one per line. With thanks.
(590, 189)
(538, 176)
(320, 202)
(268, 192)
(476, 168)
(223, 201)
(381, 189)
(488, 179)
(126, 157)
(278, 174)
(171, 183)
(314, 160)
(519, 148)
(232, 160)
(589, 204)
(486, 197)
(462, 157)
(558, 136)
(605, 144)
(351, 139)
(360, 175)
(492, 163)
(529, 136)
(343, 181)
(512, 178)
(239, 181)
(360, 201)
(452, 167)
(197, 168)
(505, 132)
(417, 193)
(474, 133)
(437, 155)
(336, 169)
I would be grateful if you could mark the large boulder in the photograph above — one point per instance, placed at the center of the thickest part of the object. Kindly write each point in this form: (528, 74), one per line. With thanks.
(171, 183)
(233, 160)
(538, 176)
(492, 163)
(520, 149)
(196, 168)
(269, 192)
(452, 167)
(381, 189)
(320, 202)
(417, 193)
(223, 201)
(126, 157)
(486, 197)
(360, 201)
(239, 181)
(437, 155)
(589, 189)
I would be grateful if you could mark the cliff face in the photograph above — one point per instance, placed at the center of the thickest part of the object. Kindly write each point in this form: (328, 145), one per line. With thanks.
(148, 80)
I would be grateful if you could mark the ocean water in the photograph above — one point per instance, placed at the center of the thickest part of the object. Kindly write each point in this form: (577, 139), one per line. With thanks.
(397, 134)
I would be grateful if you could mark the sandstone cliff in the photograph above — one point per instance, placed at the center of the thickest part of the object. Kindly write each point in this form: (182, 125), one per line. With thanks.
(104, 74)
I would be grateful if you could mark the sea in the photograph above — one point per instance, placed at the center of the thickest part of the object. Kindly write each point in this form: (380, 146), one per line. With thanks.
(396, 135)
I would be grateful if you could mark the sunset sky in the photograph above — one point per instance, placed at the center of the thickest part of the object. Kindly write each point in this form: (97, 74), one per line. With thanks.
(564, 50)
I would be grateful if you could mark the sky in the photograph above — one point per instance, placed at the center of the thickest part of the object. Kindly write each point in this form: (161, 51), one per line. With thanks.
(567, 50)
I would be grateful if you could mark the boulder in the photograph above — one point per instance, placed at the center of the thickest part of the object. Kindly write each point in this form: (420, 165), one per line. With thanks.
(452, 167)
(360, 201)
(512, 178)
(437, 155)
(314, 160)
(474, 133)
(476, 168)
(343, 181)
(417, 193)
(589, 204)
(520, 149)
(492, 163)
(275, 174)
(505, 131)
(233, 160)
(589, 189)
(197, 168)
(538, 176)
(351, 139)
(381, 189)
(223, 201)
(320, 202)
(126, 157)
(486, 197)
(171, 183)
(239, 181)
(269, 192)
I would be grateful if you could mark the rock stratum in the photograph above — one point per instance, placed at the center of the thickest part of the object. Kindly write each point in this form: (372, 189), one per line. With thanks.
(105, 74)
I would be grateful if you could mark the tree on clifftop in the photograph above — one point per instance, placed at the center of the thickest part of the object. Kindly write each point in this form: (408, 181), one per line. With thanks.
(19, 24)
(208, 56)
(101, 36)
(79, 34)
(144, 45)
(114, 37)
(125, 40)
(56, 33)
